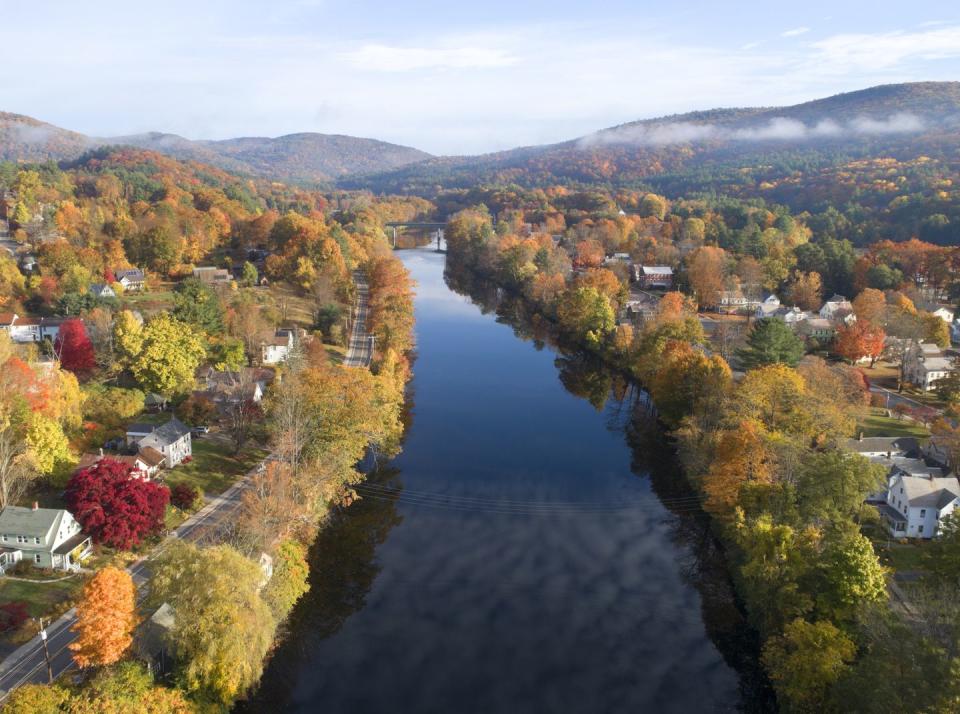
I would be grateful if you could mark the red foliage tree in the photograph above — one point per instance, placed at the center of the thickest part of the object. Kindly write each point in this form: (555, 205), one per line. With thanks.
(13, 614)
(113, 507)
(184, 496)
(75, 348)
(108, 276)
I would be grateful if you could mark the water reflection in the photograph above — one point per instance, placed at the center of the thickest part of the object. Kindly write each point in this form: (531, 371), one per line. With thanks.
(518, 564)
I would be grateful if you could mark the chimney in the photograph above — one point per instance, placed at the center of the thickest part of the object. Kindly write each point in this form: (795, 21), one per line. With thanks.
(35, 506)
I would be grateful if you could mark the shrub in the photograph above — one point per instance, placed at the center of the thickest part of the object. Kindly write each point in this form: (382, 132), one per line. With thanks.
(184, 496)
(12, 615)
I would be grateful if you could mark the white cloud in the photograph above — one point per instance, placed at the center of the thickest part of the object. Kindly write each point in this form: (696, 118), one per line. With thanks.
(750, 46)
(384, 58)
(795, 32)
(886, 50)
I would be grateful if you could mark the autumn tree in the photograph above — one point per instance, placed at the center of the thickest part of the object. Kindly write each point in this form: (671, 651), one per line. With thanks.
(871, 306)
(805, 290)
(169, 356)
(113, 507)
(833, 484)
(289, 581)
(74, 348)
(806, 661)
(106, 617)
(589, 254)
(586, 313)
(771, 341)
(684, 376)
(741, 456)
(707, 271)
(223, 628)
(851, 577)
(859, 340)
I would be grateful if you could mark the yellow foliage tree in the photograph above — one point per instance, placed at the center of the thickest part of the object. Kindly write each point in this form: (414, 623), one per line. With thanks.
(740, 456)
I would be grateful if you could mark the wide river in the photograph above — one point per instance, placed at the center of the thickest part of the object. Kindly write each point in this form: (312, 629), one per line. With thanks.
(533, 549)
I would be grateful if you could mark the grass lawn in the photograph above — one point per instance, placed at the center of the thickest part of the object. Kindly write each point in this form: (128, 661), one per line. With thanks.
(878, 424)
(214, 468)
(42, 598)
(902, 558)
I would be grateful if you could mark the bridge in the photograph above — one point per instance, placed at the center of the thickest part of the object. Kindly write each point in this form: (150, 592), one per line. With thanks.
(417, 224)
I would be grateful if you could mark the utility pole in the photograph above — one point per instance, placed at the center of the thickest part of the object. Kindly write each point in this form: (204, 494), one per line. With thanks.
(46, 651)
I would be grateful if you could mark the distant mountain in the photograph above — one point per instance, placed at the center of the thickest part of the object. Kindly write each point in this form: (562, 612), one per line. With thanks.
(700, 151)
(300, 158)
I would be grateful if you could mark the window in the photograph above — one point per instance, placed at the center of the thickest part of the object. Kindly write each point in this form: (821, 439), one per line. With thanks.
(36, 557)
(4, 536)
(923, 512)
(36, 540)
(920, 529)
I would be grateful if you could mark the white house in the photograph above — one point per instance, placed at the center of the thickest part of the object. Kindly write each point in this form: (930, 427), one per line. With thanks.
(131, 279)
(30, 329)
(916, 504)
(45, 537)
(883, 446)
(924, 364)
(102, 290)
(278, 349)
(768, 307)
(171, 440)
(733, 300)
(944, 314)
(836, 304)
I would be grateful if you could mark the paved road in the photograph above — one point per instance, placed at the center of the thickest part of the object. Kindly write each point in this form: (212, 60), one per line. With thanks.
(28, 665)
(360, 350)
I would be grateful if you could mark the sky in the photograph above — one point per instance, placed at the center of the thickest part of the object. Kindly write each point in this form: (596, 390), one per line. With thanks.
(447, 77)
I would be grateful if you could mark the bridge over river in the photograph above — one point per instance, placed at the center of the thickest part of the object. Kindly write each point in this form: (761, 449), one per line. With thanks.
(437, 227)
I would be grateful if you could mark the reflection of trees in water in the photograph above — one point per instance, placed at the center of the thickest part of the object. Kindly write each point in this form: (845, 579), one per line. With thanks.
(627, 409)
(343, 567)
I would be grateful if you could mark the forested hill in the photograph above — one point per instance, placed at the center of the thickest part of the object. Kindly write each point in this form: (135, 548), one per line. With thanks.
(779, 152)
(306, 158)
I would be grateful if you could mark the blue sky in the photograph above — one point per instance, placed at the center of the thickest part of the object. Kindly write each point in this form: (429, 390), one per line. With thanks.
(447, 77)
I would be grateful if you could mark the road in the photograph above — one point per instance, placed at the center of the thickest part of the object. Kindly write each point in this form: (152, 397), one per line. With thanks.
(360, 350)
(28, 665)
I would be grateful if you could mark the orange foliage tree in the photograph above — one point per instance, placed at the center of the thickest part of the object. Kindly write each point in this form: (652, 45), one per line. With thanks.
(741, 456)
(859, 340)
(106, 617)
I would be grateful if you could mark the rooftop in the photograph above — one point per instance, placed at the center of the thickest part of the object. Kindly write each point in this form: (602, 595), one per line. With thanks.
(38, 522)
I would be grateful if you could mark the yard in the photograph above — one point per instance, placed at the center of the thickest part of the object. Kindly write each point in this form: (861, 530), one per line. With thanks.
(877, 423)
(42, 598)
(214, 467)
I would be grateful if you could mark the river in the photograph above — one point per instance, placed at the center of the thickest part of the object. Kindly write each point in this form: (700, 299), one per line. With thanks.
(533, 549)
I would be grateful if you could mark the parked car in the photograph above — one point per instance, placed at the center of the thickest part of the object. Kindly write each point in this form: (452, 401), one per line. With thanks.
(200, 430)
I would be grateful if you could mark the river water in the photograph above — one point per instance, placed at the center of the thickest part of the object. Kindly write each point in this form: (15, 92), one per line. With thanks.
(533, 549)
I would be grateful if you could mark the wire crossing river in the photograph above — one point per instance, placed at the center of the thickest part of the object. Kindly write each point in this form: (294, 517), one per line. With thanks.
(533, 548)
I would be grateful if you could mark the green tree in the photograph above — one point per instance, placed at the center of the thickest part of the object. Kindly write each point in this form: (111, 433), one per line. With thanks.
(249, 276)
(942, 555)
(37, 699)
(586, 313)
(851, 576)
(127, 337)
(197, 304)
(771, 341)
(223, 628)
(228, 354)
(835, 483)
(289, 581)
(170, 354)
(805, 662)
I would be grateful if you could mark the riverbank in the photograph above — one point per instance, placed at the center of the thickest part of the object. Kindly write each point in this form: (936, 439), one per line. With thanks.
(518, 555)
(763, 453)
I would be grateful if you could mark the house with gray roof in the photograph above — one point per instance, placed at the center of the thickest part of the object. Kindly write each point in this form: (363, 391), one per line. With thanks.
(44, 537)
(171, 440)
(915, 505)
(131, 279)
(925, 364)
(102, 290)
(883, 446)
